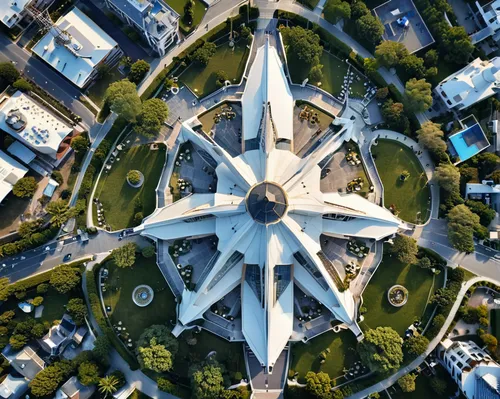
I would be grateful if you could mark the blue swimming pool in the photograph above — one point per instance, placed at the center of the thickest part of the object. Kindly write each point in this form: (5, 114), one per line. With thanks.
(463, 150)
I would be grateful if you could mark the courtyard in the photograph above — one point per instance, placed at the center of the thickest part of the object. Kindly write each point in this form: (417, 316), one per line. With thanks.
(409, 198)
(232, 60)
(309, 125)
(420, 284)
(120, 201)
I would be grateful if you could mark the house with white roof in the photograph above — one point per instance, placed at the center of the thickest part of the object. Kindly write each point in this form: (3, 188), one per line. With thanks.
(76, 46)
(56, 339)
(476, 82)
(486, 191)
(35, 126)
(489, 17)
(10, 172)
(475, 372)
(13, 11)
(157, 21)
(74, 389)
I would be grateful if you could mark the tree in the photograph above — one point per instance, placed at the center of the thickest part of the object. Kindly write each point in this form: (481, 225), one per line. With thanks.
(439, 386)
(47, 381)
(39, 330)
(381, 349)
(461, 226)
(37, 301)
(138, 217)
(448, 177)
(134, 177)
(123, 99)
(316, 73)
(383, 92)
(125, 255)
(138, 71)
(78, 310)
(88, 373)
(221, 77)
(424, 263)
(319, 384)
(203, 54)
(207, 382)
(246, 33)
(42, 288)
(405, 248)
(431, 136)
(149, 121)
(148, 252)
(335, 10)
(389, 53)
(303, 44)
(80, 144)
(8, 73)
(419, 94)
(163, 336)
(7, 316)
(415, 346)
(370, 27)
(395, 117)
(18, 341)
(407, 382)
(166, 386)
(64, 278)
(108, 385)
(27, 229)
(188, 16)
(60, 212)
(413, 65)
(431, 58)
(23, 85)
(358, 9)
(25, 187)
(490, 341)
(496, 176)
(487, 162)
(155, 357)
(485, 213)
(102, 347)
(456, 44)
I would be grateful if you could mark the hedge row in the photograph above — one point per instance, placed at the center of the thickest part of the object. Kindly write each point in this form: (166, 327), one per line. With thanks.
(15, 247)
(102, 321)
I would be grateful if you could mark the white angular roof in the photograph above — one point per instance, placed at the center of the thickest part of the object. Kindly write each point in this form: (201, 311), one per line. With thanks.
(268, 214)
(10, 11)
(10, 172)
(87, 46)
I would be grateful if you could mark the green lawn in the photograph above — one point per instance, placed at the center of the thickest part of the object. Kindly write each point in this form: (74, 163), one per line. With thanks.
(334, 71)
(202, 79)
(423, 387)
(411, 197)
(118, 295)
(199, 12)
(118, 197)
(419, 283)
(97, 90)
(342, 354)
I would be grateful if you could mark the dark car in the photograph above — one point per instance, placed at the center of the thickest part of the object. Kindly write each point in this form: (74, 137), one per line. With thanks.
(67, 258)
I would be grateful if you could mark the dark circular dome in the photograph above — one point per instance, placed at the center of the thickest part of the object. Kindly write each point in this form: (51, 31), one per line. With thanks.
(266, 202)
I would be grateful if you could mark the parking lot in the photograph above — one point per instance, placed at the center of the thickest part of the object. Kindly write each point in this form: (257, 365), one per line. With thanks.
(414, 35)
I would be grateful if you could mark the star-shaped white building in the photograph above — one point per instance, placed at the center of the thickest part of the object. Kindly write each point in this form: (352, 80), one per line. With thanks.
(268, 213)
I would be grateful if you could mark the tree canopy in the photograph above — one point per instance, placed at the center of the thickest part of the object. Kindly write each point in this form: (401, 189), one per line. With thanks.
(77, 309)
(88, 373)
(207, 382)
(448, 177)
(150, 120)
(407, 382)
(405, 248)
(335, 10)
(319, 385)
(395, 117)
(138, 71)
(48, 380)
(125, 255)
(485, 213)
(203, 54)
(123, 99)
(60, 212)
(163, 336)
(304, 44)
(370, 27)
(381, 349)
(155, 357)
(415, 346)
(25, 187)
(431, 137)
(461, 226)
(64, 278)
(8, 73)
(419, 94)
(389, 53)
(79, 143)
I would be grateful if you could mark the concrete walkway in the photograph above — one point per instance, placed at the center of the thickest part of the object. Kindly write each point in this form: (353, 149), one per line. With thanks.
(143, 383)
(413, 365)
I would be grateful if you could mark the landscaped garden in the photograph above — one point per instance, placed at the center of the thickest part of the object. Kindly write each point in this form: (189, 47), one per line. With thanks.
(423, 387)
(199, 9)
(202, 79)
(408, 198)
(121, 202)
(420, 284)
(119, 287)
(98, 89)
(339, 348)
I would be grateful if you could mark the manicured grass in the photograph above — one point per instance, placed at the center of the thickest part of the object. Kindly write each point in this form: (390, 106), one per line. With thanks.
(202, 79)
(119, 287)
(118, 197)
(423, 388)
(418, 282)
(97, 90)
(410, 197)
(334, 71)
(305, 357)
(199, 12)
(228, 353)
(53, 305)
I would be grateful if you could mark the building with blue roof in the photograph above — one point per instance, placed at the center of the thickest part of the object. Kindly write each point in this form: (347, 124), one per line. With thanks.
(157, 22)
(469, 141)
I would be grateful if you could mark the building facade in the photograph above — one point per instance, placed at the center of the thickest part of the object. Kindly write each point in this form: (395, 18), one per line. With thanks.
(475, 372)
(157, 22)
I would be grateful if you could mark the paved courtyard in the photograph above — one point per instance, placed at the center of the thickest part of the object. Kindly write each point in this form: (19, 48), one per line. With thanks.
(198, 172)
(336, 251)
(415, 36)
(202, 250)
(305, 133)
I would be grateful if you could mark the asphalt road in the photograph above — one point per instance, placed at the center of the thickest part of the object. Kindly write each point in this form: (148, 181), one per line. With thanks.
(46, 77)
(51, 255)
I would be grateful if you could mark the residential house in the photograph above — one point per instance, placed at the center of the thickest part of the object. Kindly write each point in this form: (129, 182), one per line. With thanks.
(58, 337)
(10, 172)
(73, 389)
